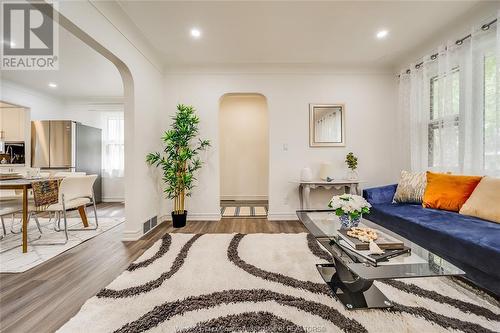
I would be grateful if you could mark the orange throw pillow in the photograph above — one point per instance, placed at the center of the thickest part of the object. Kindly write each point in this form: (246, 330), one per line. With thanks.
(448, 192)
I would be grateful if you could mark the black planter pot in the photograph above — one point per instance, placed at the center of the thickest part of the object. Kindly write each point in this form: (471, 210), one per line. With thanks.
(179, 220)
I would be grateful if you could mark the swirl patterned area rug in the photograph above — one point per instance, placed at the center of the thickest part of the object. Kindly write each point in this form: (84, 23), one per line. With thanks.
(266, 283)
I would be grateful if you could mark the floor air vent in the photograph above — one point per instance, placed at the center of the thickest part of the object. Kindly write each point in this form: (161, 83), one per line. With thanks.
(150, 224)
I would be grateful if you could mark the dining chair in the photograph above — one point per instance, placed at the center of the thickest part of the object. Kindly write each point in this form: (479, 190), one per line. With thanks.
(74, 192)
(7, 199)
(31, 214)
(45, 193)
(35, 206)
(64, 174)
(10, 208)
(17, 194)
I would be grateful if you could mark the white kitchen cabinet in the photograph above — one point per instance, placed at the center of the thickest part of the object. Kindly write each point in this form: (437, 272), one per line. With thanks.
(13, 124)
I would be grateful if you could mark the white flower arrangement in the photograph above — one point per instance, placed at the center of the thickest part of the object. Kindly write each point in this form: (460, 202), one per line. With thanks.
(352, 205)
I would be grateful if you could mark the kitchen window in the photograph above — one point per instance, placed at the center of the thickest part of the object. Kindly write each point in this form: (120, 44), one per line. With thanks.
(113, 144)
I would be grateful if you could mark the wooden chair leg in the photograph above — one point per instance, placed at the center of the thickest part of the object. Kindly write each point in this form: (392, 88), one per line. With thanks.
(83, 216)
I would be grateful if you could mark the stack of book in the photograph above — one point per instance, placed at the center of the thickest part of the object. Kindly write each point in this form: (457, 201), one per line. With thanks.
(391, 246)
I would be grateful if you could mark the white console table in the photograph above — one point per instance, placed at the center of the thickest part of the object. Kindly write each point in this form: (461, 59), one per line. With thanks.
(349, 186)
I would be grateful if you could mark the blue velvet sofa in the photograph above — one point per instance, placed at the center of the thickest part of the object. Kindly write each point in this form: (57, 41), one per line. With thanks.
(470, 243)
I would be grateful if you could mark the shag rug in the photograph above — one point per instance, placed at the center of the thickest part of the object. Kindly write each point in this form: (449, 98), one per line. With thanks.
(266, 283)
(13, 260)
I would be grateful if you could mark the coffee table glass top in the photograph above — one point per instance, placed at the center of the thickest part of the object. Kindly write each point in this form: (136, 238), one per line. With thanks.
(325, 226)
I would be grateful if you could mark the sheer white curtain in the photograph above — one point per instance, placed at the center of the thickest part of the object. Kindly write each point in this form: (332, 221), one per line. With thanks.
(450, 107)
(113, 151)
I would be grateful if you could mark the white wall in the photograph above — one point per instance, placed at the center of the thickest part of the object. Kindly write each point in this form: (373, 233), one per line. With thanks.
(41, 104)
(244, 147)
(98, 23)
(81, 111)
(370, 101)
(47, 107)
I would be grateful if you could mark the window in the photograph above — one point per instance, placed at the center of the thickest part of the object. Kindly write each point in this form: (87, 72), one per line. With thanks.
(113, 152)
(450, 105)
(443, 127)
(491, 122)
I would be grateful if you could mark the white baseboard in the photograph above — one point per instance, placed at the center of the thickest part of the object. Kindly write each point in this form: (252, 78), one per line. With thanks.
(111, 199)
(204, 217)
(282, 216)
(130, 236)
(244, 197)
(160, 220)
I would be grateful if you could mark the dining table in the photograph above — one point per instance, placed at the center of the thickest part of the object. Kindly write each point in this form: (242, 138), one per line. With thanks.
(24, 185)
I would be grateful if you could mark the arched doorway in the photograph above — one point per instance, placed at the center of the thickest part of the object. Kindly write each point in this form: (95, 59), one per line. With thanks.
(244, 155)
(127, 104)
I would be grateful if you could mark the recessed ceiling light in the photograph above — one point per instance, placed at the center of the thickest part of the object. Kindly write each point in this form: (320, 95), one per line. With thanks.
(53, 85)
(195, 33)
(382, 34)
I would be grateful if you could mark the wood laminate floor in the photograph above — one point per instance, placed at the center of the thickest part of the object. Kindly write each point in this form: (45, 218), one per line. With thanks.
(45, 297)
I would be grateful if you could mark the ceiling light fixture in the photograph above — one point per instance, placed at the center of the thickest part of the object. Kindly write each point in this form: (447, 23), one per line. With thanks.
(195, 33)
(53, 85)
(382, 34)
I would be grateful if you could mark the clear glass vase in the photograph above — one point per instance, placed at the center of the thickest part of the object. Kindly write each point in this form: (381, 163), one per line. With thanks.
(352, 175)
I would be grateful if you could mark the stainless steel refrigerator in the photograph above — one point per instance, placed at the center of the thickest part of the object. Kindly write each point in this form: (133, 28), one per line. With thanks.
(67, 145)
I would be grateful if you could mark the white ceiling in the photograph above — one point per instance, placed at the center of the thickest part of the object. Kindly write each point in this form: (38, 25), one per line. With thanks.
(336, 33)
(82, 73)
(286, 32)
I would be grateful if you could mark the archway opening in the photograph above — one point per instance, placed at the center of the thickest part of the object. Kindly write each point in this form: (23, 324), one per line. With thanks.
(244, 155)
(91, 91)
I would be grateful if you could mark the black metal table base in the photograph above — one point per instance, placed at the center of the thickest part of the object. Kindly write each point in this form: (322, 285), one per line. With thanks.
(352, 291)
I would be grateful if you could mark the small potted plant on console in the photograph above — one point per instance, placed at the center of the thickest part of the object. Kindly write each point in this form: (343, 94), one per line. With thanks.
(352, 164)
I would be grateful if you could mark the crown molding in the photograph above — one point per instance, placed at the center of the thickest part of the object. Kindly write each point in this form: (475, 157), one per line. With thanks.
(270, 68)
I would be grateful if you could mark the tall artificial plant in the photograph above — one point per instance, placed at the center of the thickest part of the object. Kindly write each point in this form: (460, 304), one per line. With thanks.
(179, 159)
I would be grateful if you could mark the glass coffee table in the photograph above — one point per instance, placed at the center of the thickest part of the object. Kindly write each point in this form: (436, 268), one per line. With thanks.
(351, 276)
